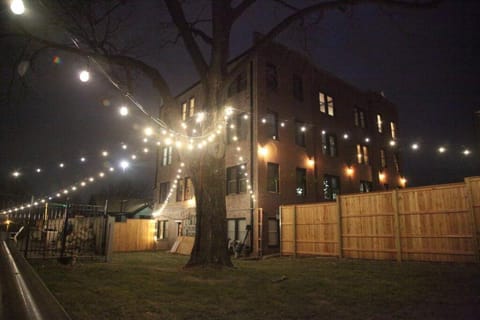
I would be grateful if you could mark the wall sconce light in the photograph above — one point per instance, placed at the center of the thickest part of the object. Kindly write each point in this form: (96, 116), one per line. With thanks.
(349, 171)
(403, 181)
(262, 151)
(381, 176)
(311, 162)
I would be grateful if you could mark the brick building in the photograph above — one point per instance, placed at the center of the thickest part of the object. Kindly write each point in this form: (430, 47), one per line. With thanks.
(299, 134)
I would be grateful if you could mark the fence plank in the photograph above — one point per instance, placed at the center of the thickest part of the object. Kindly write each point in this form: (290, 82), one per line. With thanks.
(134, 235)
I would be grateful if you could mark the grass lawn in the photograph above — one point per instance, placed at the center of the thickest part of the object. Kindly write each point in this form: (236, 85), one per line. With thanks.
(153, 285)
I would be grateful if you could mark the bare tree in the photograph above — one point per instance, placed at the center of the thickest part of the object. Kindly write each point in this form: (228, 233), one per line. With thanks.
(97, 31)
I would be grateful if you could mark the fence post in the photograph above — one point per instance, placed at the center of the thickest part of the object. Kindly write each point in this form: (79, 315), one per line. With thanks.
(109, 230)
(396, 225)
(294, 231)
(64, 232)
(474, 222)
(339, 227)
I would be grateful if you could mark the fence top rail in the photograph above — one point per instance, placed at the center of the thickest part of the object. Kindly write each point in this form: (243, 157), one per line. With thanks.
(433, 187)
(306, 205)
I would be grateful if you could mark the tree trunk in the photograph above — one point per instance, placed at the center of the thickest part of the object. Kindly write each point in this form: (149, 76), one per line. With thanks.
(210, 247)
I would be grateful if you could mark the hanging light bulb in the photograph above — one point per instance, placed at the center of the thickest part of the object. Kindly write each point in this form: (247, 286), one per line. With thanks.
(17, 7)
(123, 110)
(84, 75)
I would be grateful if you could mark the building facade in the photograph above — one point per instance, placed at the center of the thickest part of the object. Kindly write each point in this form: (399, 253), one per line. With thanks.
(298, 135)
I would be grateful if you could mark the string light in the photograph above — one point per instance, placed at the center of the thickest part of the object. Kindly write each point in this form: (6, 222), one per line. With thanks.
(61, 165)
(84, 76)
(38, 170)
(415, 146)
(442, 150)
(123, 110)
(17, 7)
(16, 174)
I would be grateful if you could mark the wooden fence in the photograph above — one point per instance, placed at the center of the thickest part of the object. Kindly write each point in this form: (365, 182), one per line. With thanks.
(434, 223)
(134, 235)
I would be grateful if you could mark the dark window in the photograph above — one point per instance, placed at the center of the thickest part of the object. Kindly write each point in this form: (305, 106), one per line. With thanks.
(297, 87)
(396, 162)
(331, 187)
(166, 155)
(359, 117)
(236, 179)
(271, 123)
(188, 189)
(273, 183)
(161, 231)
(300, 130)
(164, 190)
(326, 104)
(365, 186)
(329, 145)
(273, 235)
(237, 128)
(301, 182)
(362, 154)
(271, 76)
(383, 159)
(238, 85)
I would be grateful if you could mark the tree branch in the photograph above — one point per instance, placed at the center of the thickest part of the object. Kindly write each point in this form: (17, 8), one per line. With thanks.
(205, 37)
(178, 16)
(240, 9)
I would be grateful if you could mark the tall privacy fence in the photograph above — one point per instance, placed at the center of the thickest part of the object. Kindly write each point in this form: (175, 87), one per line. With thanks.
(434, 223)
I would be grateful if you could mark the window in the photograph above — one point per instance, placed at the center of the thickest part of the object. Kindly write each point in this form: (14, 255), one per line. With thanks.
(273, 183)
(188, 189)
(184, 189)
(359, 117)
(236, 179)
(273, 239)
(379, 123)
(300, 133)
(326, 104)
(161, 229)
(396, 162)
(238, 85)
(237, 229)
(297, 86)
(166, 155)
(180, 189)
(362, 154)
(188, 109)
(365, 186)
(393, 130)
(331, 187)
(271, 122)
(301, 182)
(329, 145)
(383, 159)
(237, 128)
(164, 190)
(271, 76)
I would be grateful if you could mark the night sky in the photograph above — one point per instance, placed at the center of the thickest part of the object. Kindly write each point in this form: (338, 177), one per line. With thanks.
(426, 62)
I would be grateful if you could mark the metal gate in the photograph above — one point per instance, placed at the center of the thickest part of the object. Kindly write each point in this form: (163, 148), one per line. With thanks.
(54, 230)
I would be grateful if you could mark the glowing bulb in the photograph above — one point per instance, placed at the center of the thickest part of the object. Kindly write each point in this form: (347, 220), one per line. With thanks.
(466, 152)
(84, 76)
(105, 153)
(17, 7)
(245, 116)
(74, 188)
(16, 174)
(345, 136)
(83, 183)
(145, 150)
(148, 131)
(264, 120)
(442, 149)
(91, 179)
(403, 181)
(415, 146)
(228, 111)
(83, 159)
(303, 129)
(61, 165)
(123, 111)
(367, 140)
(392, 143)
(65, 191)
(124, 147)
(111, 169)
(38, 170)
(134, 157)
(323, 132)
(200, 117)
(101, 174)
(282, 124)
(124, 164)
(262, 151)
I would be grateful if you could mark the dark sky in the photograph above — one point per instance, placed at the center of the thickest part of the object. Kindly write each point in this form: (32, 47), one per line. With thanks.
(426, 62)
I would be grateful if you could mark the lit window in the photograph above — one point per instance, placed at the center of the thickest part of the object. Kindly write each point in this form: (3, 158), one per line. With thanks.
(362, 154)
(365, 186)
(237, 229)
(167, 155)
(161, 231)
(192, 107)
(379, 123)
(393, 130)
(326, 104)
